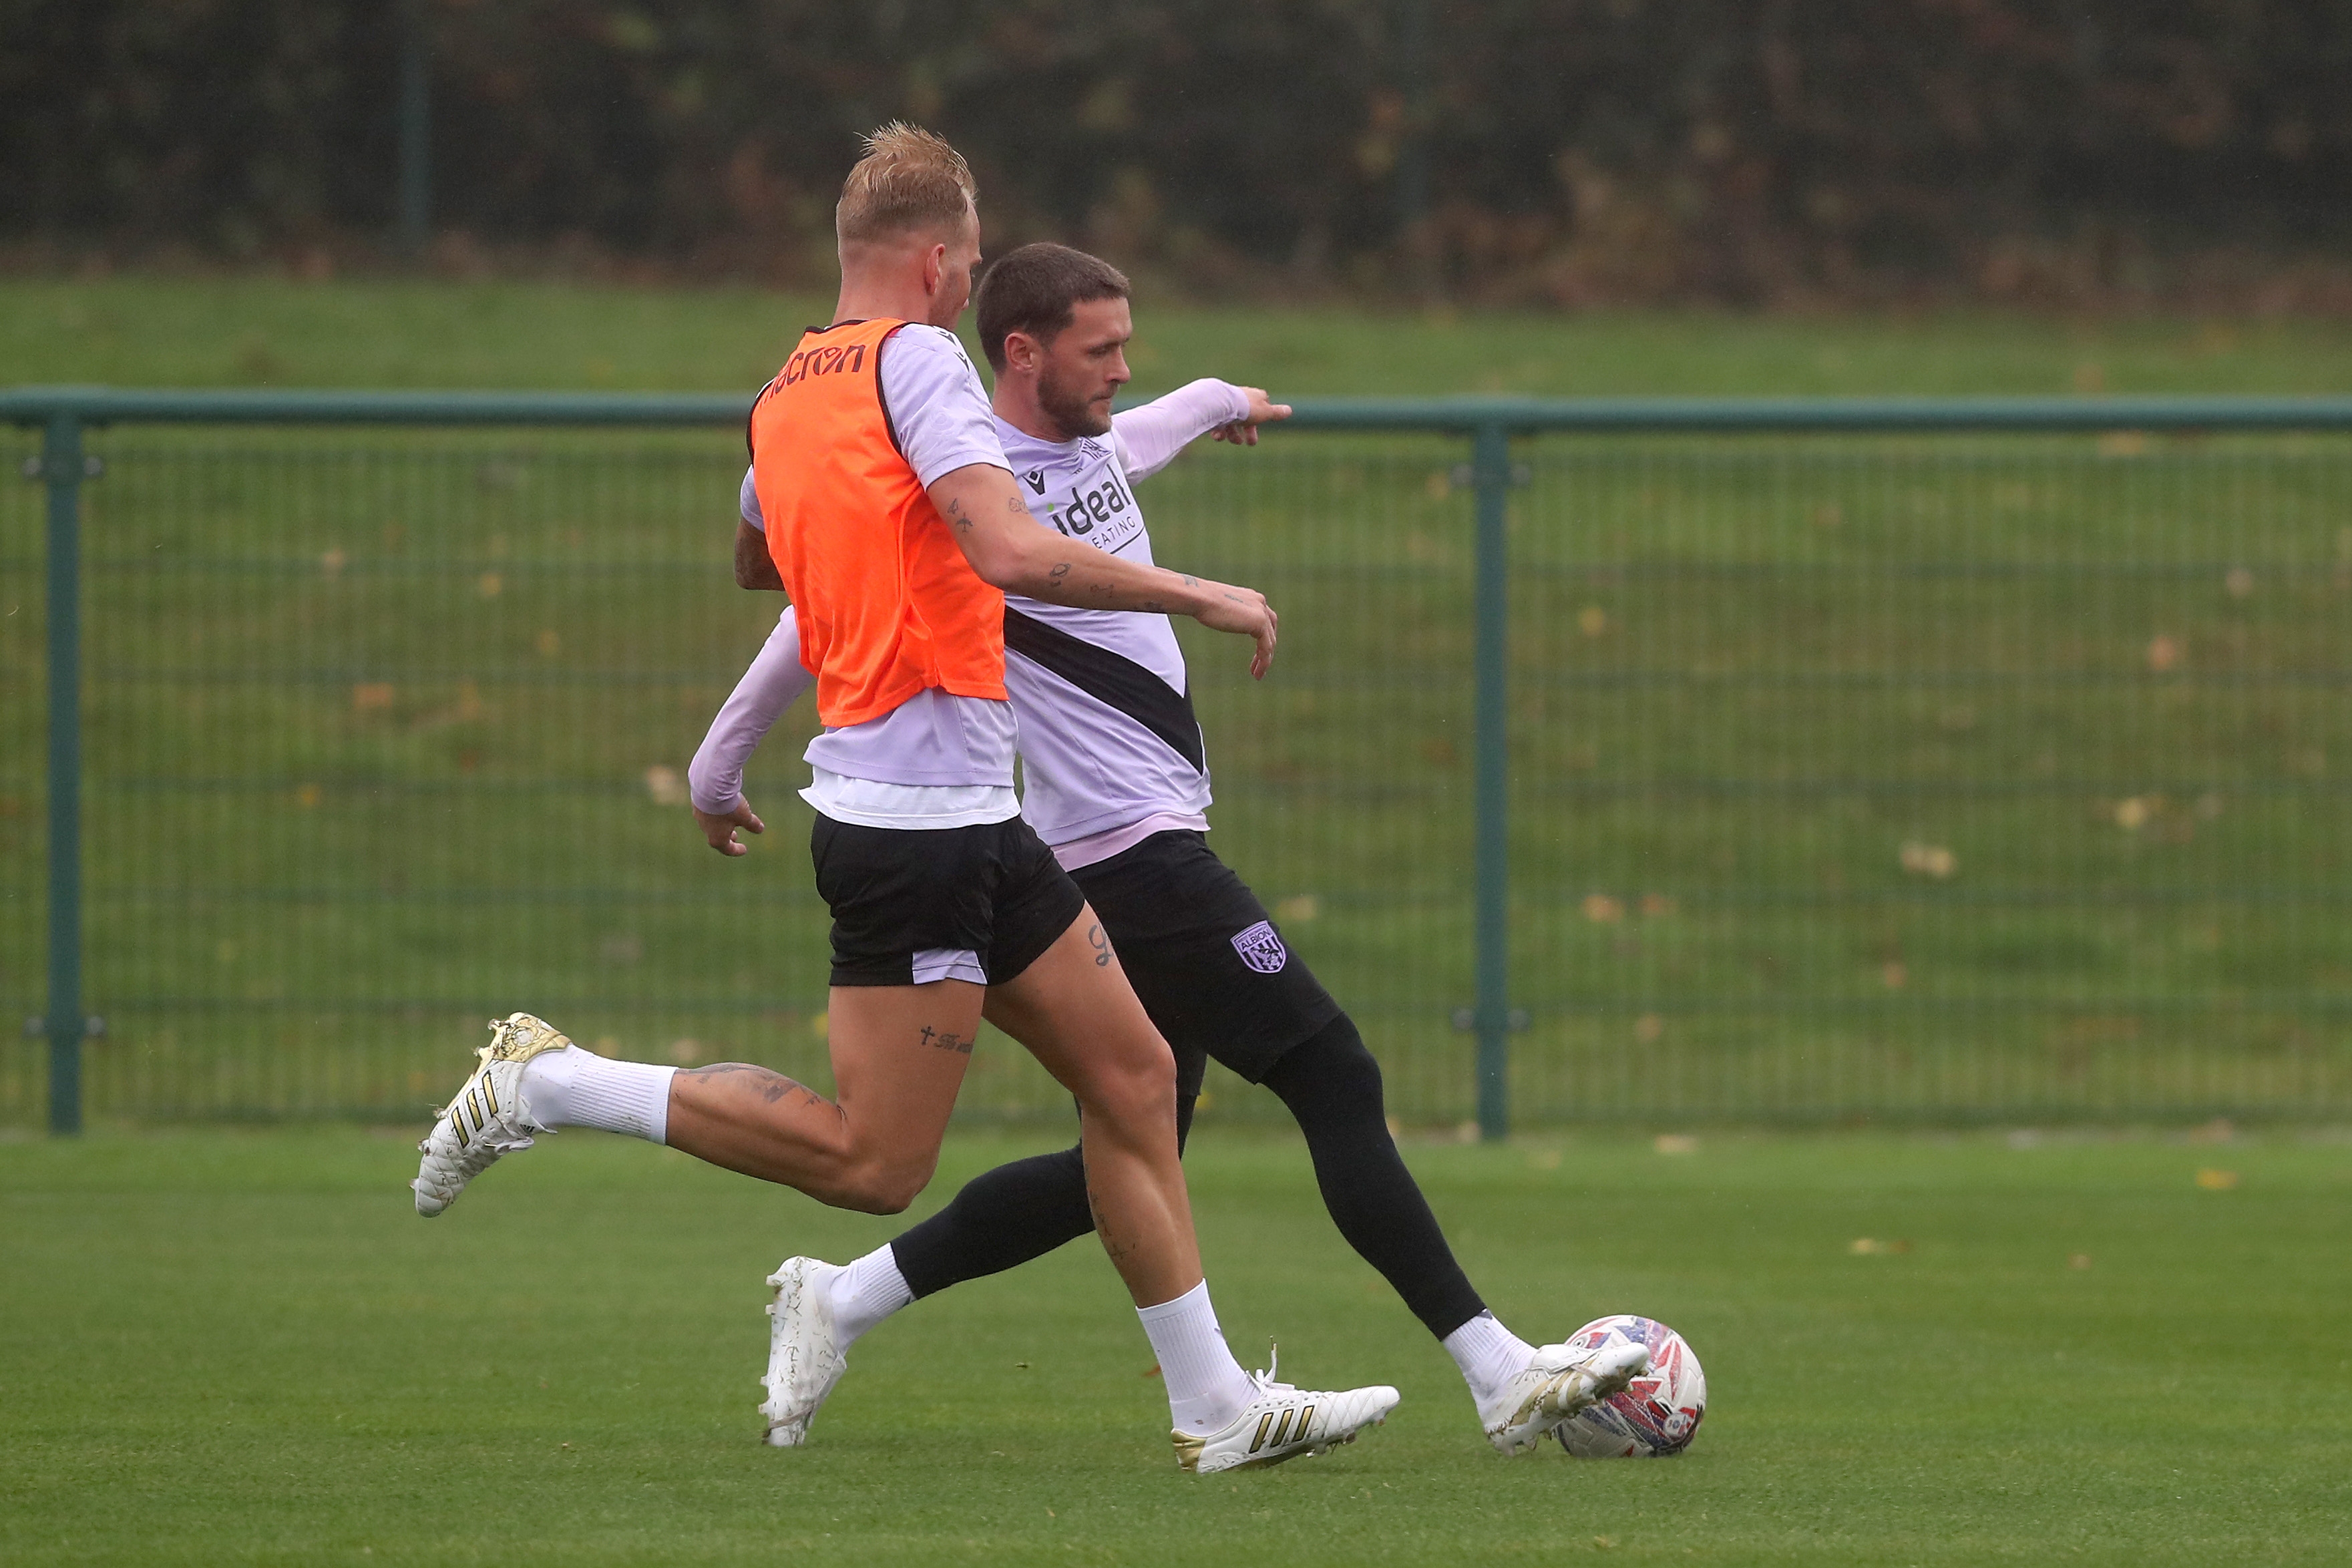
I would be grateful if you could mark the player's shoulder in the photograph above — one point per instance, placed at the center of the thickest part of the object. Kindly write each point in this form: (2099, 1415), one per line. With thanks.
(932, 356)
(923, 338)
(1036, 447)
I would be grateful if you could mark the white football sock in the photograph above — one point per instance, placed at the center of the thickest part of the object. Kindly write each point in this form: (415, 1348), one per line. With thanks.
(865, 1292)
(1206, 1386)
(576, 1088)
(1488, 1355)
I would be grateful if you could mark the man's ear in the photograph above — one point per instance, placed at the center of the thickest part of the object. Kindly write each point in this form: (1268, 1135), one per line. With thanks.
(1021, 353)
(935, 268)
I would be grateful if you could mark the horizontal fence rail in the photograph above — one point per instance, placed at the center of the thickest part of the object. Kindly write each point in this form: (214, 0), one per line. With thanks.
(1669, 760)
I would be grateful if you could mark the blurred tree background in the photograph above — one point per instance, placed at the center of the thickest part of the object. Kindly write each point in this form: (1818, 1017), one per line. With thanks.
(1526, 152)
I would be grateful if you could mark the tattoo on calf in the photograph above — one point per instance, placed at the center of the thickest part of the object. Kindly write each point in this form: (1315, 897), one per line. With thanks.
(772, 1086)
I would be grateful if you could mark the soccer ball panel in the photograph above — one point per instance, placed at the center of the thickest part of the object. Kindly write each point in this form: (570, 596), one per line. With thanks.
(1658, 1413)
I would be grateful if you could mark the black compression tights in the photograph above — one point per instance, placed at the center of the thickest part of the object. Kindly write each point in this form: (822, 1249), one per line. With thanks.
(1332, 1086)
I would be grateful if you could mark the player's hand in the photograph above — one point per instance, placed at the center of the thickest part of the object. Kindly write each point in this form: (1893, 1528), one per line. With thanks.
(1243, 432)
(1244, 611)
(720, 830)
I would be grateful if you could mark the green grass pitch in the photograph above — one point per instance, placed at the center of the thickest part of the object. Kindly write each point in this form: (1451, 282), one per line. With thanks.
(221, 1347)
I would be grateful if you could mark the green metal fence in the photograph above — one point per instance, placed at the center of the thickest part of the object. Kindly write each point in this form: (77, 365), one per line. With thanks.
(1663, 761)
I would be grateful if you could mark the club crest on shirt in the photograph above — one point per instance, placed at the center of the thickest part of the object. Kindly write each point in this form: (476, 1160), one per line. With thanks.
(1036, 478)
(1261, 948)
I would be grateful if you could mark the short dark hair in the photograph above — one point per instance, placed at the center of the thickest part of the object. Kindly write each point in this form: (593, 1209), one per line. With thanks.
(1037, 289)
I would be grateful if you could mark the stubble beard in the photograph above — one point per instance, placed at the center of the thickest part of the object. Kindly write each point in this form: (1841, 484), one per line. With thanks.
(1072, 414)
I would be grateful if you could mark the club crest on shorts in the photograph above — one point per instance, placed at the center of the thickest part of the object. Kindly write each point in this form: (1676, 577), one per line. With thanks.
(1261, 948)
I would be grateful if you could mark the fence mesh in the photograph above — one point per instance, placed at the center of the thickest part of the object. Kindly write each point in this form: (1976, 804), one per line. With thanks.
(1935, 777)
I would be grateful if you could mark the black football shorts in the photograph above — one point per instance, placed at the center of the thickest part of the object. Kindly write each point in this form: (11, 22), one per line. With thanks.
(1204, 957)
(911, 906)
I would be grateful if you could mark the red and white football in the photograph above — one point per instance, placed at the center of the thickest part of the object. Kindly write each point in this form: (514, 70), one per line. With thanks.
(1658, 1414)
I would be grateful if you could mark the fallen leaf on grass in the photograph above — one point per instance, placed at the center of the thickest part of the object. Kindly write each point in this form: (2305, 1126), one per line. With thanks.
(1928, 860)
(664, 787)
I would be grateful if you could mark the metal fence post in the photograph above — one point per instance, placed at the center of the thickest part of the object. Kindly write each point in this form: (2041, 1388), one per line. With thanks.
(1490, 470)
(416, 129)
(61, 468)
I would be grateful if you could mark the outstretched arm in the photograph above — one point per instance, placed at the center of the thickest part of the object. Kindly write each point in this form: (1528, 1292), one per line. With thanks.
(715, 777)
(1151, 436)
(1011, 550)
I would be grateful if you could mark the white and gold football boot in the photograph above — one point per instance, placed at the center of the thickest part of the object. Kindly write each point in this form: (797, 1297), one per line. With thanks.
(804, 1358)
(1283, 1422)
(1560, 1381)
(486, 1119)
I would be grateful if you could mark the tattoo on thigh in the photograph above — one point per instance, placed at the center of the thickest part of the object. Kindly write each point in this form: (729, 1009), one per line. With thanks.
(938, 1041)
(1102, 944)
(772, 1086)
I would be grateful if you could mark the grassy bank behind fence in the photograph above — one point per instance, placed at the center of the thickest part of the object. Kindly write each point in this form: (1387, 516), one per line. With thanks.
(1951, 776)
(261, 328)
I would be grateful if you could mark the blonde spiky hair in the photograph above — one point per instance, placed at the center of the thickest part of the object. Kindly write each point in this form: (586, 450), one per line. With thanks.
(907, 179)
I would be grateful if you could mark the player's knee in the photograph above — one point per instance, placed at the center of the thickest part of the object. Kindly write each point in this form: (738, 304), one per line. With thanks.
(1138, 1090)
(883, 1186)
(1332, 1074)
(882, 1193)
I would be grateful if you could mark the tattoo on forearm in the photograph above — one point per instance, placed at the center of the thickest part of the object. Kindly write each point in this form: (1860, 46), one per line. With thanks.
(1061, 570)
(1102, 944)
(940, 1041)
(772, 1086)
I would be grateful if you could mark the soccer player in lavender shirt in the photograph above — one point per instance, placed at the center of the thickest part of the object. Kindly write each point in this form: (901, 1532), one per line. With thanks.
(1118, 784)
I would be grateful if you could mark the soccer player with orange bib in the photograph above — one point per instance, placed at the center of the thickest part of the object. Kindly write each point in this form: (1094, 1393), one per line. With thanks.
(895, 525)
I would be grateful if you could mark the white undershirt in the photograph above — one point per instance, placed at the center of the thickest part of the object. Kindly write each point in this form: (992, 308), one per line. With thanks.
(869, 802)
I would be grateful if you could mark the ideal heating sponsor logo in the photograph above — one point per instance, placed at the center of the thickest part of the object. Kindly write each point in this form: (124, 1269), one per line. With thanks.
(1104, 514)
